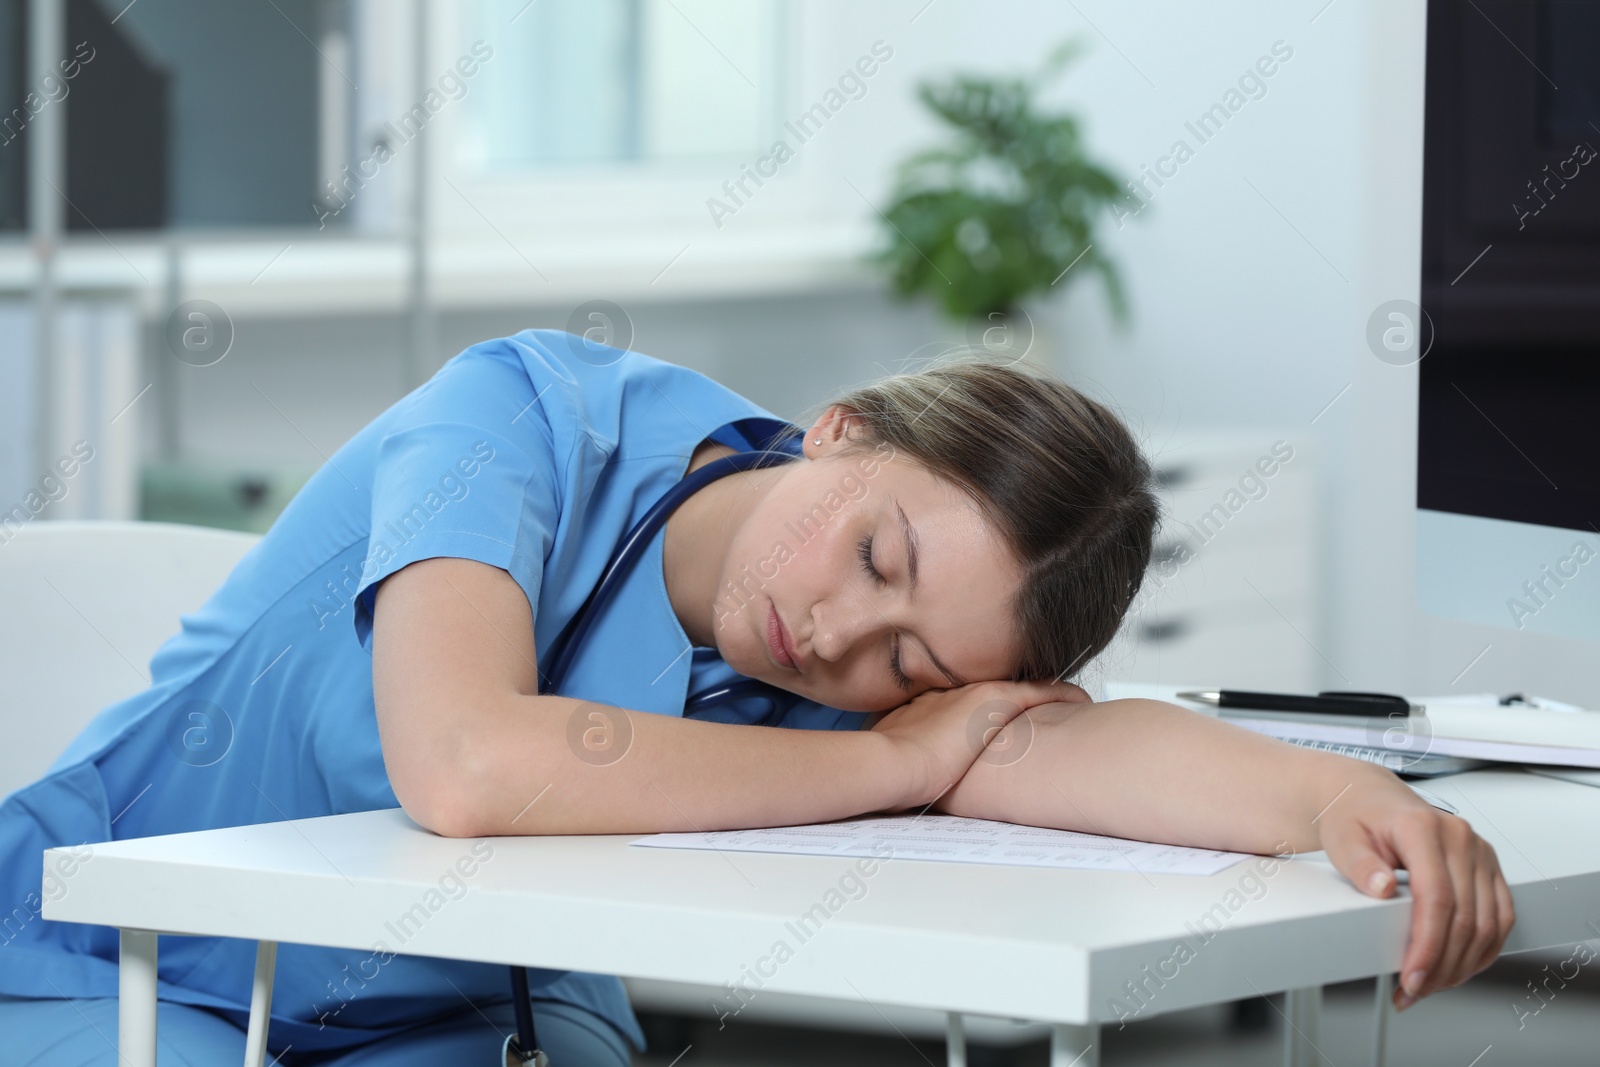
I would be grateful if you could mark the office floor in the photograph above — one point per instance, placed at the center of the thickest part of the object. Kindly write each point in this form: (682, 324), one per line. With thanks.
(1474, 1026)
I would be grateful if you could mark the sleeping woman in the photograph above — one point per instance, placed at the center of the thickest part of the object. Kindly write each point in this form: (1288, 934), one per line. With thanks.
(919, 574)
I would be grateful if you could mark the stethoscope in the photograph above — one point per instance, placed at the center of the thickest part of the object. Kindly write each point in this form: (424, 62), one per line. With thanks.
(567, 642)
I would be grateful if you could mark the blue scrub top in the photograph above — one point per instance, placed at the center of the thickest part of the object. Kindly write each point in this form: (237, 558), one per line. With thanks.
(533, 453)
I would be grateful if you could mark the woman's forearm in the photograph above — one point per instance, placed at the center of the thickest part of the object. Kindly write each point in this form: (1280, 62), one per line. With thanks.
(1153, 771)
(556, 765)
(472, 747)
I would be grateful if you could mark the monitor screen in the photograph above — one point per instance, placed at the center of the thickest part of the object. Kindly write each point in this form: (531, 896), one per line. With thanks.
(1508, 472)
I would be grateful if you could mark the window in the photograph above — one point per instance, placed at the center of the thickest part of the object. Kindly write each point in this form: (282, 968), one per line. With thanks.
(623, 81)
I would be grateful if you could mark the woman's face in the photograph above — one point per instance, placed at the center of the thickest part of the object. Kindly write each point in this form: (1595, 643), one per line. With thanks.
(865, 641)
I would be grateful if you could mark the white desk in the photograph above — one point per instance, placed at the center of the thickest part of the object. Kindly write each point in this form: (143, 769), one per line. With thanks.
(1048, 945)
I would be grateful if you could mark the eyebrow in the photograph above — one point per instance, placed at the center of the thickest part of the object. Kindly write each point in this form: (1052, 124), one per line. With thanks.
(909, 533)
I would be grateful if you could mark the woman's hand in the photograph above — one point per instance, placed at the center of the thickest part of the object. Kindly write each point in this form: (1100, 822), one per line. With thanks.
(941, 732)
(1206, 783)
(1461, 906)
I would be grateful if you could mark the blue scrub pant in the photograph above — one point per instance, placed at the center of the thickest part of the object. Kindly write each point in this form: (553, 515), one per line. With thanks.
(82, 1033)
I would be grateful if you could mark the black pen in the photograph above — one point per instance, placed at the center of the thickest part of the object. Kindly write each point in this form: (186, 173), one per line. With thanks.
(1331, 702)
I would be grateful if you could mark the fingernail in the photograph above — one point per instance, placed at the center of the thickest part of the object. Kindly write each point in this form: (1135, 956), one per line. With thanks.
(1379, 881)
(1405, 1001)
(1413, 983)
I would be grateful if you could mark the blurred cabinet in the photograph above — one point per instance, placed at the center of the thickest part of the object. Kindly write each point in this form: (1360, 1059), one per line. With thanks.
(92, 468)
(1230, 596)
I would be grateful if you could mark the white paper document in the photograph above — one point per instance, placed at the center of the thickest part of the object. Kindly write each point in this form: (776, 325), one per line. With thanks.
(953, 839)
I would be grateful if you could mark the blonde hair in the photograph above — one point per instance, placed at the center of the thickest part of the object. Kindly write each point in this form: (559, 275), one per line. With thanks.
(1057, 474)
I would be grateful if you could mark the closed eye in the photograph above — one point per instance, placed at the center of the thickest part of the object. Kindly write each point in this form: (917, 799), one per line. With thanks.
(864, 552)
(900, 678)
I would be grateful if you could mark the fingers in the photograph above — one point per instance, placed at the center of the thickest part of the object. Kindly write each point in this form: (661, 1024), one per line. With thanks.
(1505, 911)
(1045, 692)
(1487, 936)
(1462, 910)
(1504, 914)
(1368, 870)
(1483, 917)
(1461, 857)
(1433, 903)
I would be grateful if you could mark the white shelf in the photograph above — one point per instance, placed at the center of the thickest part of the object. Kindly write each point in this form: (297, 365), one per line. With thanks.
(305, 272)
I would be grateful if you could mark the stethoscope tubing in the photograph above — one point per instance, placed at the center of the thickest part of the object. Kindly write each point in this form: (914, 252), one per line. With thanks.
(571, 637)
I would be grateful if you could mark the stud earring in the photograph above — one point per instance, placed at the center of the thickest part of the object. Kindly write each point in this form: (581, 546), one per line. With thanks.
(816, 440)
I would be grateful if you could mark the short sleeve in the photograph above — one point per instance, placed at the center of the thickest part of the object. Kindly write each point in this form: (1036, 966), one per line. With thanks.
(458, 489)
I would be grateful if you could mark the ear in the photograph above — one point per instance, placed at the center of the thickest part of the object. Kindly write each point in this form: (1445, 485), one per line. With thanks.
(833, 426)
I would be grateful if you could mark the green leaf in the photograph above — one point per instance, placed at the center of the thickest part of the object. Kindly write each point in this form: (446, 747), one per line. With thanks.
(1000, 209)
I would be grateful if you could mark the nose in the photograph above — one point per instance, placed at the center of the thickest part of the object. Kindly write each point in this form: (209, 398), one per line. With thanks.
(840, 624)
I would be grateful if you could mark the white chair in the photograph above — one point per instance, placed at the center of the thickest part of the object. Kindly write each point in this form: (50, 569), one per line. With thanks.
(83, 607)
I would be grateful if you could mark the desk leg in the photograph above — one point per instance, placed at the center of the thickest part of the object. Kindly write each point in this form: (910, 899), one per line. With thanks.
(955, 1040)
(1074, 1046)
(1303, 1014)
(1380, 1019)
(255, 1039)
(136, 998)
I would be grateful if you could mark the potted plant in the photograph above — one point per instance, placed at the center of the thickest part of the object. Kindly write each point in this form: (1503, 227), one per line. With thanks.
(1005, 210)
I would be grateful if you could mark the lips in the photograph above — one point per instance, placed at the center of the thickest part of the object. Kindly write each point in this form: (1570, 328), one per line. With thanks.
(778, 641)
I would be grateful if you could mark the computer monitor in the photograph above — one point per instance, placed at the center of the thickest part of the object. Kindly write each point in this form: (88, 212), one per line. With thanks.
(1508, 447)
